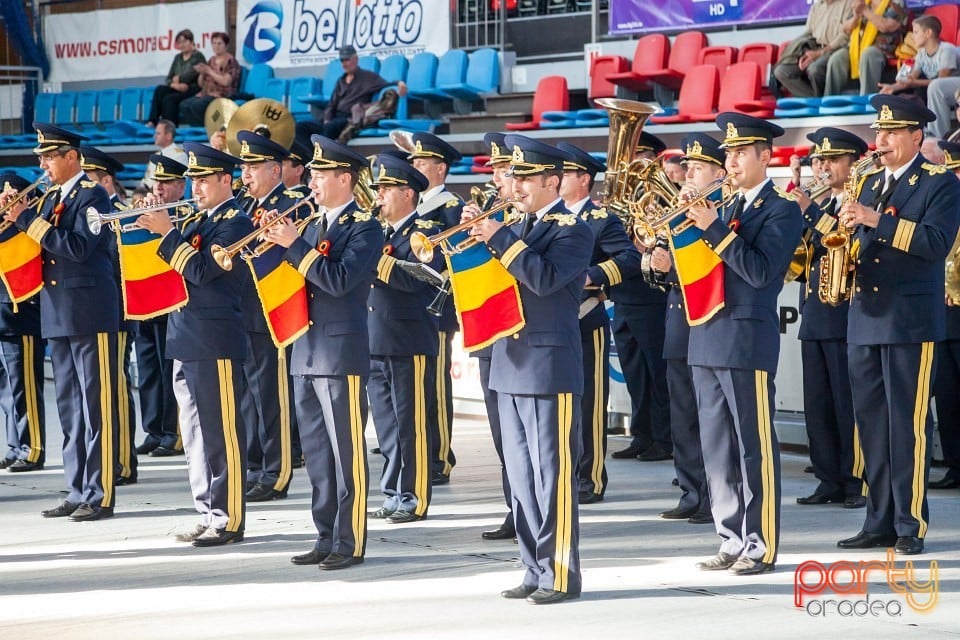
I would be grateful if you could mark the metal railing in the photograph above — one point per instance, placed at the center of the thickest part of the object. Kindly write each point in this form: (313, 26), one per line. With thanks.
(19, 86)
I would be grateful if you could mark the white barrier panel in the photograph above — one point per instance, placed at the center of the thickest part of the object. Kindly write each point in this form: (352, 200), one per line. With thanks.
(291, 33)
(126, 43)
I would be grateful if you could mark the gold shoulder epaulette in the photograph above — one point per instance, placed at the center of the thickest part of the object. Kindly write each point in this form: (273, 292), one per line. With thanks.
(362, 216)
(563, 219)
(88, 184)
(873, 171)
(426, 224)
(226, 215)
(290, 193)
(599, 214)
(934, 169)
(784, 194)
(453, 202)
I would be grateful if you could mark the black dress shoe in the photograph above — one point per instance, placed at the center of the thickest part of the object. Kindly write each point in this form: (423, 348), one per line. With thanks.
(310, 557)
(297, 463)
(865, 540)
(147, 447)
(439, 478)
(216, 537)
(549, 596)
(193, 534)
(654, 453)
(908, 545)
(819, 498)
(588, 497)
(22, 465)
(375, 450)
(629, 452)
(854, 502)
(808, 468)
(402, 516)
(381, 513)
(336, 561)
(948, 481)
(6, 462)
(121, 481)
(64, 509)
(718, 562)
(701, 517)
(677, 513)
(518, 593)
(263, 493)
(87, 513)
(165, 452)
(503, 532)
(745, 566)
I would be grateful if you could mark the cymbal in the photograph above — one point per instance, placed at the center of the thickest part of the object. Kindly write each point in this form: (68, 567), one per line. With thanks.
(403, 140)
(261, 112)
(218, 114)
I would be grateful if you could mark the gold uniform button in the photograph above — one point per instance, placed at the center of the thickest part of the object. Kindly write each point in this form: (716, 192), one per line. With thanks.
(311, 323)
(858, 289)
(516, 336)
(373, 286)
(876, 260)
(53, 261)
(53, 283)
(876, 289)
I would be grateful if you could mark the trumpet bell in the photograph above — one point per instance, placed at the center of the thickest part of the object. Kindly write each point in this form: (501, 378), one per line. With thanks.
(94, 223)
(422, 246)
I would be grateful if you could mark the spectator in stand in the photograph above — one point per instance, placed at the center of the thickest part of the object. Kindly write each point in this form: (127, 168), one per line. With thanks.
(943, 97)
(181, 80)
(876, 28)
(355, 87)
(802, 69)
(220, 78)
(674, 168)
(934, 59)
(163, 136)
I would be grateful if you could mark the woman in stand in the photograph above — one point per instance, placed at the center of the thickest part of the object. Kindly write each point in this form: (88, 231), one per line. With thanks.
(220, 78)
(181, 81)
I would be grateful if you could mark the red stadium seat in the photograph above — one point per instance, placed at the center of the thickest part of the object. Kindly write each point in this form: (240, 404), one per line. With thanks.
(697, 101)
(720, 57)
(649, 58)
(600, 68)
(949, 16)
(684, 54)
(764, 54)
(741, 91)
(551, 95)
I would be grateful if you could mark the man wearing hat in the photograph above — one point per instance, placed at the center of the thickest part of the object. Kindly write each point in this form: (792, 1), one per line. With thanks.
(337, 255)
(704, 159)
(439, 209)
(79, 317)
(268, 404)
(734, 354)
(158, 405)
(905, 221)
(827, 403)
(537, 373)
(207, 342)
(403, 341)
(104, 168)
(614, 258)
(295, 175)
(21, 368)
(638, 332)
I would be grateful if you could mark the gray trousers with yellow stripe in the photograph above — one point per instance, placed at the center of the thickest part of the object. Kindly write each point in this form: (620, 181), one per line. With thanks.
(891, 400)
(266, 413)
(21, 397)
(332, 412)
(741, 457)
(85, 373)
(541, 447)
(213, 439)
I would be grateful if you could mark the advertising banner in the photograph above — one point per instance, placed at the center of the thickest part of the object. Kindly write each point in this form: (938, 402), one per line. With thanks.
(291, 33)
(126, 43)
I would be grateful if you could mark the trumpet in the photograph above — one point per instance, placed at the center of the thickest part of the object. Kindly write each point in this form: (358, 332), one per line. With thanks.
(6, 224)
(96, 220)
(423, 245)
(648, 232)
(223, 256)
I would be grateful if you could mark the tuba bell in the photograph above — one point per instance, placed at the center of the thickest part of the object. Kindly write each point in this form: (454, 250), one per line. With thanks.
(623, 177)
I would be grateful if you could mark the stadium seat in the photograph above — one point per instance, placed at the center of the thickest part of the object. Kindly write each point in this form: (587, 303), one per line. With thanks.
(130, 104)
(949, 16)
(370, 63)
(64, 104)
(43, 107)
(255, 83)
(551, 95)
(684, 53)
(393, 69)
(845, 105)
(698, 97)
(765, 55)
(276, 89)
(527, 8)
(108, 102)
(797, 107)
(301, 87)
(650, 57)
(600, 68)
(558, 119)
(422, 74)
(740, 91)
(330, 77)
(451, 69)
(720, 57)
(146, 99)
(483, 77)
(86, 114)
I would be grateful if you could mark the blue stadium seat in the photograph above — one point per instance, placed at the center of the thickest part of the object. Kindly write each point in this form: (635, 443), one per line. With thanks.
(43, 107)
(482, 78)
(422, 74)
(330, 76)
(370, 63)
(256, 81)
(451, 69)
(393, 69)
(130, 104)
(108, 102)
(302, 87)
(797, 107)
(86, 109)
(63, 108)
(276, 89)
(146, 99)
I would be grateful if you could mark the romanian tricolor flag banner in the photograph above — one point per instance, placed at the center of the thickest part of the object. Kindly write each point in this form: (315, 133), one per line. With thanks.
(150, 286)
(20, 265)
(486, 295)
(700, 272)
(283, 295)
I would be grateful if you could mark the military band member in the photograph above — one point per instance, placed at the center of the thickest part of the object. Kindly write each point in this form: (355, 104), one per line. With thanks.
(500, 163)
(403, 338)
(267, 405)
(103, 169)
(158, 405)
(21, 370)
(948, 367)
(704, 160)
(827, 402)
(537, 373)
(207, 342)
(638, 332)
(439, 209)
(614, 259)
(337, 255)
(79, 317)
(906, 220)
(734, 354)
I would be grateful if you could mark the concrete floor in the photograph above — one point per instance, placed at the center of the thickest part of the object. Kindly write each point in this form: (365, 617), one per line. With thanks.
(127, 577)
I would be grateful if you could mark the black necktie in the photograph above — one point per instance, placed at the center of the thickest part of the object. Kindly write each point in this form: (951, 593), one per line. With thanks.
(881, 202)
(528, 225)
(737, 210)
(830, 208)
(323, 226)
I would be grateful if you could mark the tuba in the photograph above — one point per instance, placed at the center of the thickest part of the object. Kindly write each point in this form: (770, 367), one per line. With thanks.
(624, 176)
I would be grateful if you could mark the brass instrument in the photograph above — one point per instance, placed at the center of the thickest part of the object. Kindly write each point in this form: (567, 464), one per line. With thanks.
(649, 231)
(423, 245)
(223, 256)
(96, 220)
(801, 258)
(952, 267)
(43, 180)
(403, 140)
(363, 191)
(623, 177)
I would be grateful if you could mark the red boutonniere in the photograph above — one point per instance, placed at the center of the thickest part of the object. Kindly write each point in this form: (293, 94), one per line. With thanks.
(388, 250)
(57, 212)
(734, 225)
(195, 241)
(324, 248)
(257, 215)
(891, 211)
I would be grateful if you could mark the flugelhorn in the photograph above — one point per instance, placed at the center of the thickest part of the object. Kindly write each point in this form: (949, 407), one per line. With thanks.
(648, 232)
(20, 195)
(423, 245)
(96, 220)
(223, 256)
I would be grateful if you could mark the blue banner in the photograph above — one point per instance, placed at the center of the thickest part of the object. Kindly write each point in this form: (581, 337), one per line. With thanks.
(634, 16)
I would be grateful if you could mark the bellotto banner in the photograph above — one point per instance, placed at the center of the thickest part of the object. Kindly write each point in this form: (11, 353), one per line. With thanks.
(126, 43)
